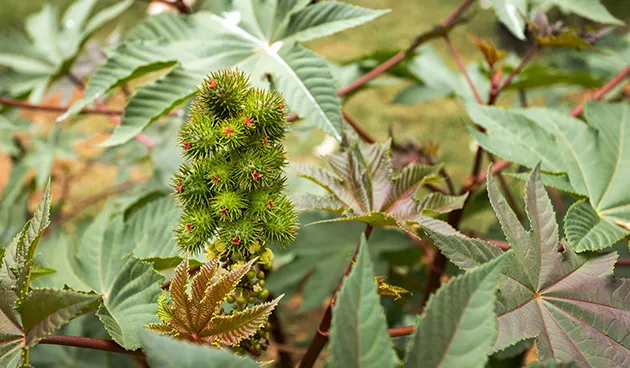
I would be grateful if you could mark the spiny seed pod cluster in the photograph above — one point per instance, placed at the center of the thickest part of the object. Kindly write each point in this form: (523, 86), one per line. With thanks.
(231, 188)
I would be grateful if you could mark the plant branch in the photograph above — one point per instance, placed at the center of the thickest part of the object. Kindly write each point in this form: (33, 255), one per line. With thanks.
(52, 108)
(90, 343)
(494, 94)
(577, 111)
(321, 335)
(357, 128)
(439, 30)
(285, 360)
(462, 68)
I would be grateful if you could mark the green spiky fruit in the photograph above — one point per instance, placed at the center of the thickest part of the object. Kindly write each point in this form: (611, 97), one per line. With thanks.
(231, 187)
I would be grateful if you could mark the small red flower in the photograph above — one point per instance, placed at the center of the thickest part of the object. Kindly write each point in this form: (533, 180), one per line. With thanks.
(236, 241)
(270, 204)
(186, 145)
(248, 121)
(216, 179)
(212, 83)
(189, 227)
(225, 211)
(229, 131)
(179, 188)
(256, 175)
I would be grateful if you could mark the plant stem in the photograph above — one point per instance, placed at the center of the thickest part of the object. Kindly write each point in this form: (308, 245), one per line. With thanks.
(285, 360)
(462, 68)
(357, 128)
(439, 30)
(51, 108)
(577, 111)
(90, 343)
(321, 335)
(494, 94)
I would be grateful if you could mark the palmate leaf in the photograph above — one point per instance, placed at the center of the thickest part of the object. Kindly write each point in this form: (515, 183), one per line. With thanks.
(52, 44)
(365, 188)
(318, 264)
(129, 287)
(593, 157)
(258, 37)
(195, 317)
(572, 304)
(459, 321)
(358, 335)
(164, 352)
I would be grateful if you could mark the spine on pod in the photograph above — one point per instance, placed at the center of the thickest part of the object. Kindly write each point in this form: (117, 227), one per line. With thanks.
(231, 188)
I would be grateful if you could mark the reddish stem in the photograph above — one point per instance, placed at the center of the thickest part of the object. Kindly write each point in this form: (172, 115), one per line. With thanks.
(496, 91)
(440, 30)
(90, 343)
(360, 131)
(605, 89)
(462, 68)
(26, 105)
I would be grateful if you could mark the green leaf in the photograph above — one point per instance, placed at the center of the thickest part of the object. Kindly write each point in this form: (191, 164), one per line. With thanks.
(591, 155)
(11, 330)
(590, 9)
(318, 263)
(459, 325)
(364, 188)
(129, 287)
(130, 302)
(261, 42)
(54, 44)
(46, 310)
(166, 352)
(323, 19)
(572, 304)
(512, 14)
(552, 364)
(358, 335)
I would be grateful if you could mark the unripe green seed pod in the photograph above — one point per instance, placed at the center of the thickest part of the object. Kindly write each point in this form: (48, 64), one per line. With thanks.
(251, 274)
(231, 299)
(251, 300)
(240, 300)
(264, 294)
(260, 275)
(261, 283)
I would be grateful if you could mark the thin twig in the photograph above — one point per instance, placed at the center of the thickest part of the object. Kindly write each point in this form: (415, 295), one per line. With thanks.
(577, 111)
(360, 131)
(52, 108)
(89, 343)
(494, 94)
(462, 68)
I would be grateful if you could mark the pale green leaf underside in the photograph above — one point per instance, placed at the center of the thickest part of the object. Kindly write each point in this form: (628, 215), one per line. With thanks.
(459, 321)
(358, 336)
(593, 155)
(165, 352)
(512, 14)
(204, 41)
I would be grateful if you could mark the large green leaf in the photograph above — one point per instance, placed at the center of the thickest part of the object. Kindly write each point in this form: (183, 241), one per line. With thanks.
(45, 310)
(104, 262)
(365, 188)
(165, 352)
(53, 44)
(319, 263)
(512, 14)
(572, 304)
(459, 326)
(358, 335)
(590, 9)
(258, 37)
(592, 155)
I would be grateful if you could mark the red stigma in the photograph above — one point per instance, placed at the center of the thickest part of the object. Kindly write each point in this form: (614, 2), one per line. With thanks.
(212, 83)
(292, 230)
(229, 131)
(225, 211)
(248, 121)
(270, 204)
(179, 188)
(236, 241)
(216, 179)
(189, 227)
(186, 145)
(256, 175)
